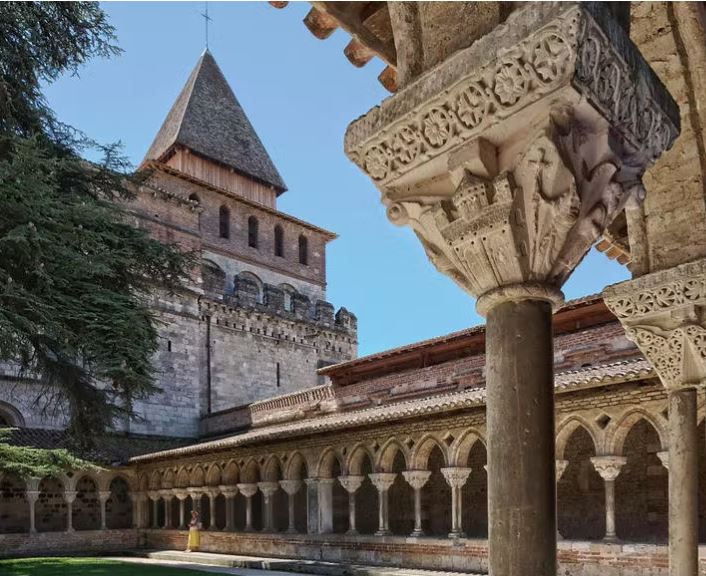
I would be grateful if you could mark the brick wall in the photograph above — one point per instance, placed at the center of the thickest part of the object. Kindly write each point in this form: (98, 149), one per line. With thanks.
(575, 558)
(65, 543)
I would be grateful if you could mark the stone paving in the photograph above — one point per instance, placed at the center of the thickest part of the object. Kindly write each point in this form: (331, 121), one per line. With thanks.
(262, 566)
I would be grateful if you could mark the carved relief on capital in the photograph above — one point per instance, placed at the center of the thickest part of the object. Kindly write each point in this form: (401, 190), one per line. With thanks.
(456, 477)
(608, 466)
(383, 480)
(268, 488)
(248, 489)
(351, 483)
(663, 313)
(291, 487)
(417, 478)
(561, 468)
(529, 226)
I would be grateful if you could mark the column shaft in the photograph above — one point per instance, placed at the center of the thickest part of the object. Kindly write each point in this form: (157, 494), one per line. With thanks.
(417, 512)
(610, 534)
(155, 513)
(248, 514)
(683, 483)
(290, 502)
(520, 409)
(351, 513)
(212, 511)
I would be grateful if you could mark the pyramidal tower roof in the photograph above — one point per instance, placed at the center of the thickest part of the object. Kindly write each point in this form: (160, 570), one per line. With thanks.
(208, 120)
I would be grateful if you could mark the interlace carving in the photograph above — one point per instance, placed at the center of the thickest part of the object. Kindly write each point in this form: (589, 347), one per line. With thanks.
(608, 466)
(417, 478)
(383, 480)
(456, 477)
(351, 483)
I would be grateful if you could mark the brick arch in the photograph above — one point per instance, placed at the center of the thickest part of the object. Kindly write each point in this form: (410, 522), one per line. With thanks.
(357, 456)
(618, 433)
(169, 479)
(197, 477)
(387, 454)
(462, 446)
(11, 416)
(250, 472)
(326, 463)
(293, 471)
(565, 430)
(420, 455)
(155, 481)
(231, 474)
(272, 470)
(182, 478)
(213, 475)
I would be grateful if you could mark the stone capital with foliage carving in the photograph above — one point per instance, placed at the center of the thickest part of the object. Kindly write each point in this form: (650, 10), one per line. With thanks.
(511, 158)
(456, 477)
(663, 313)
(291, 487)
(383, 480)
(608, 466)
(351, 483)
(248, 489)
(417, 478)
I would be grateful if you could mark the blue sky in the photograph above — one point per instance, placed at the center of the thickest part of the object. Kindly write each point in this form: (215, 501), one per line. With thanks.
(300, 93)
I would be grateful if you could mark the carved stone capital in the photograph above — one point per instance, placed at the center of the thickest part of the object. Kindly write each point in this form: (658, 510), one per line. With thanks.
(268, 488)
(512, 158)
(104, 495)
(248, 489)
(70, 496)
(228, 491)
(196, 493)
(166, 494)
(663, 313)
(291, 487)
(456, 477)
(154, 495)
(32, 495)
(608, 466)
(351, 483)
(417, 478)
(382, 480)
(561, 468)
(664, 458)
(181, 493)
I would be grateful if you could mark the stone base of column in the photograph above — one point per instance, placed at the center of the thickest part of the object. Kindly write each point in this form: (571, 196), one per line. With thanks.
(610, 539)
(417, 534)
(352, 533)
(383, 533)
(457, 535)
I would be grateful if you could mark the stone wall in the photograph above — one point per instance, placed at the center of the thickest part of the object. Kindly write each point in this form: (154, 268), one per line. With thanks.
(65, 543)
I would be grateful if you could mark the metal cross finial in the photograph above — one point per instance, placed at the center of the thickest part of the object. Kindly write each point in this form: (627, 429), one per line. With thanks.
(206, 19)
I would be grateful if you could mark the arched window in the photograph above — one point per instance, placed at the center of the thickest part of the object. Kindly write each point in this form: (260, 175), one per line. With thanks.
(194, 198)
(254, 285)
(289, 292)
(279, 241)
(224, 222)
(303, 250)
(252, 232)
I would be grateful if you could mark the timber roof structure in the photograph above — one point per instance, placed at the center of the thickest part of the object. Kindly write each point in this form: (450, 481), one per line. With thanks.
(208, 120)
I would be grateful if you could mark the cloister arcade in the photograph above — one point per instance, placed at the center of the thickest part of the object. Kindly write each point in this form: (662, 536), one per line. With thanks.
(611, 473)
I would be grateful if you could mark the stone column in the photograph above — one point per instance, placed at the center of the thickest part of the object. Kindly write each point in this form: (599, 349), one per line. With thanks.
(312, 505)
(509, 165)
(383, 481)
(248, 490)
(154, 497)
(136, 520)
(69, 497)
(662, 312)
(609, 467)
(182, 495)
(351, 484)
(103, 497)
(268, 490)
(167, 496)
(417, 479)
(32, 495)
(325, 500)
(229, 493)
(212, 495)
(456, 478)
(291, 487)
(560, 468)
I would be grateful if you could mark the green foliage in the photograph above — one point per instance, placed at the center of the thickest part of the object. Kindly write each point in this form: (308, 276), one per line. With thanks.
(86, 566)
(75, 272)
(26, 462)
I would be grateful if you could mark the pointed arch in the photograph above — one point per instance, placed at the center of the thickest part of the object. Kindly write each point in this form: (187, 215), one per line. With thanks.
(213, 476)
(566, 429)
(253, 232)
(197, 477)
(155, 482)
(303, 250)
(272, 470)
(356, 458)
(387, 454)
(169, 479)
(327, 462)
(295, 465)
(250, 472)
(182, 479)
(461, 447)
(231, 474)
(420, 455)
(618, 432)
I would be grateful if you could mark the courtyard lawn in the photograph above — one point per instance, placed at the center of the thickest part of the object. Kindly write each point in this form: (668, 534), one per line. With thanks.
(86, 567)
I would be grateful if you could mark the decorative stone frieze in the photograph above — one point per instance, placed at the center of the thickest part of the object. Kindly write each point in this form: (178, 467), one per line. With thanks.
(510, 159)
(662, 313)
